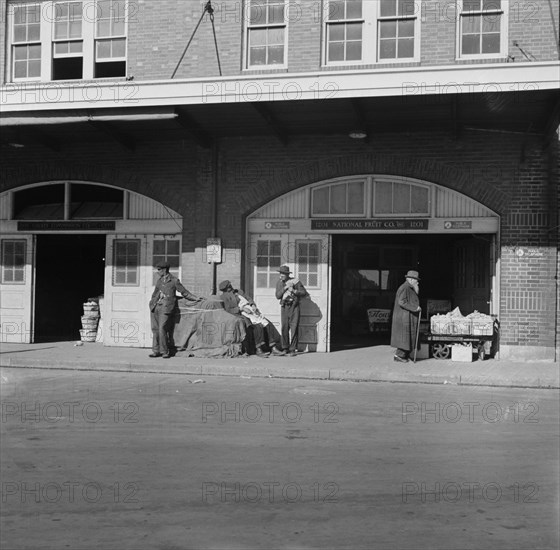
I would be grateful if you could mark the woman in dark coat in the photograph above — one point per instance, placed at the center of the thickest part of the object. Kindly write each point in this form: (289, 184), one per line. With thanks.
(406, 315)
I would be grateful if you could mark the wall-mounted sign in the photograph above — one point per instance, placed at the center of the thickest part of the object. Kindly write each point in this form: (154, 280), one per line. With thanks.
(214, 251)
(67, 226)
(457, 225)
(387, 224)
(277, 225)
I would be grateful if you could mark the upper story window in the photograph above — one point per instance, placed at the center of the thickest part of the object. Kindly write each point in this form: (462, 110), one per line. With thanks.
(399, 198)
(67, 40)
(339, 199)
(366, 31)
(482, 29)
(266, 34)
(396, 29)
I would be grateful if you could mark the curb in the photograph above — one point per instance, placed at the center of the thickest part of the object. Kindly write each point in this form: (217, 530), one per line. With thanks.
(287, 372)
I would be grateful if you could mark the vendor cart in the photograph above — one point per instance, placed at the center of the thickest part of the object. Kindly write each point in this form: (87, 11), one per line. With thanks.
(440, 344)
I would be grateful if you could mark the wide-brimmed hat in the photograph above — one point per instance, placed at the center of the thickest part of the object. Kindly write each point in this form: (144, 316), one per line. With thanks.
(412, 275)
(162, 265)
(284, 269)
(224, 284)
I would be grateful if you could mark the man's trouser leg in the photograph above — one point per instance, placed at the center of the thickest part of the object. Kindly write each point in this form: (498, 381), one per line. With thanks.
(285, 327)
(154, 321)
(274, 339)
(258, 335)
(162, 321)
(168, 324)
(294, 324)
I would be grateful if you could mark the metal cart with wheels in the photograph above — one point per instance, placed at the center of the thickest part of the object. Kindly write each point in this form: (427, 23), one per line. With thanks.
(440, 344)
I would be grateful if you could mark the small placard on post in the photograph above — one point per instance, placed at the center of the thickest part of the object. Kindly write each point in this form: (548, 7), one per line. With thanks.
(214, 251)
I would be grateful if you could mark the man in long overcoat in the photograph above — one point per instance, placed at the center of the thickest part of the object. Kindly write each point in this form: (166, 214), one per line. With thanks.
(406, 316)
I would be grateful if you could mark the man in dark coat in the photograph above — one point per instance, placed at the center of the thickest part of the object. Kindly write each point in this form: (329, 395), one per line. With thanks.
(163, 306)
(254, 335)
(289, 291)
(406, 316)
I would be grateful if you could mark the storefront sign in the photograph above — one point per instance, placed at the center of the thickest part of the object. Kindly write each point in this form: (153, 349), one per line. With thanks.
(67, 226)
(277, 225)
(458, 225)
(387, 224)
(214, 251)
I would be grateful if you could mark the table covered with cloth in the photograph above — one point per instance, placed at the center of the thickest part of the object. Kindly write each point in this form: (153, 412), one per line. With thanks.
(205, 329)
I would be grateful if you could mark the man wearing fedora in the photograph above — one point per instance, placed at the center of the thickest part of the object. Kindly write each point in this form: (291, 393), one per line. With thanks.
(289, 291)
(163, 306)
(406, 316)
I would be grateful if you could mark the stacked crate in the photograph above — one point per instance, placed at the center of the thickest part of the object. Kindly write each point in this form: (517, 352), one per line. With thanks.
(90, 320)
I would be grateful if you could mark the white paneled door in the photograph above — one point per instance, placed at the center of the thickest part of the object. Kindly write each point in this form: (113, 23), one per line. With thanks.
(16, 288)
(128, 280)
(308, 258)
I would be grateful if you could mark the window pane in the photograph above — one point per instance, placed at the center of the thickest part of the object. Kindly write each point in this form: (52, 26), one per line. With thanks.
(419, 200)
(119, 47)
(388, 8)
(471, 5)
(336, 32)
(354, 51)
(407, 7)
(388, 49)
(406, 48)
(159, 247)
(383, 198)
(173, 247)
(354, 31)
(276, 55)
(336, 10)
(471, 24)
(257, 14)
(354, 9)
(20, 53)
(387, 29)
(276, 13)
(34, 33)
(491, 4)
(470, 44)
(336, 52)
(258, 37)
(490, 43)
(321, 201)
(276, 36)
(401, 198)
(338, 199)
(103, 28)
(355, 198)
(491, 23)
(406, 28)
(257, 56)
(103, 49)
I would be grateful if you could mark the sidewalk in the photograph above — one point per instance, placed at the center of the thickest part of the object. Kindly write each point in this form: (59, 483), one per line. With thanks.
(374, 364)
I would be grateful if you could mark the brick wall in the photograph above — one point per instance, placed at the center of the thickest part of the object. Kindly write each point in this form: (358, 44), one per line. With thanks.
(160, 29)
(491, 169)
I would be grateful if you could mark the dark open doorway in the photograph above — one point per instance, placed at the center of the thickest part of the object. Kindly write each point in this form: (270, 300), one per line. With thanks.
(368, 269)
(69, 270)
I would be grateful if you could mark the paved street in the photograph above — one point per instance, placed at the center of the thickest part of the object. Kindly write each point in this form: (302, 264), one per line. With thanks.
(107, 460)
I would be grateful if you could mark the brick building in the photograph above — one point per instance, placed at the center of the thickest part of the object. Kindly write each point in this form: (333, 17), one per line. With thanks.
(351, 139)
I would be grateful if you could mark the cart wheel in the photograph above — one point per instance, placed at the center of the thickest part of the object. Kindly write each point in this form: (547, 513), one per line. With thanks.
(441, 351)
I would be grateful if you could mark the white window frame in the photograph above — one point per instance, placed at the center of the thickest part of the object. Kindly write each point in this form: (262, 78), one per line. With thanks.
(176, 271)
(504, 10)
(416, 39)
(12, 45)
(308, 242)
(368, 38)
(12, 267)
(47, 40)
(271, 271)
(371, 17)
(246, 38)
(138, 244)
(428, 188)
(345, 181)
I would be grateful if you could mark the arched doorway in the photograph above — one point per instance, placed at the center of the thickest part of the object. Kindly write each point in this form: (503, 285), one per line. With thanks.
(65, 242)
(351, 240)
